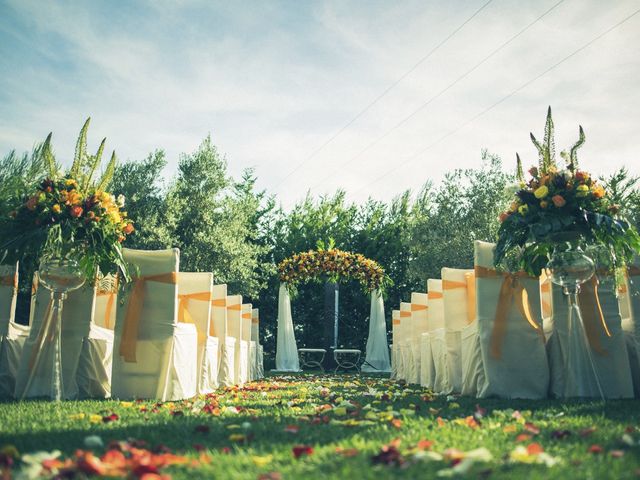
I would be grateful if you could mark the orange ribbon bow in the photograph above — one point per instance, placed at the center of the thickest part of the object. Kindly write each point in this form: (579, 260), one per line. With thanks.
(511, 291)
(184, 316)
(592, 316)
(134, 309)
(470, 288)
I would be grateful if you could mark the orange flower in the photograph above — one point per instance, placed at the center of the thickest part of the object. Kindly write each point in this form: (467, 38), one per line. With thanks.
(75, 211)
(598, 191)
(559, 201)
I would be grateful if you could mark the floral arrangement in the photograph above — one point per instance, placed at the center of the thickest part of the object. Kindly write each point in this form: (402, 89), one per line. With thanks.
(70, 215)
(335, 264)
(555, 205)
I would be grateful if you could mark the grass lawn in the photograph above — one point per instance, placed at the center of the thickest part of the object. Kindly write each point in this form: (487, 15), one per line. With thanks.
(309, 426)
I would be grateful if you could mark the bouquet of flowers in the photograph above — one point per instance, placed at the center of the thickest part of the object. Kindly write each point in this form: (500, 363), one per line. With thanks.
(561, 204)
(70, 215)
(334, 264)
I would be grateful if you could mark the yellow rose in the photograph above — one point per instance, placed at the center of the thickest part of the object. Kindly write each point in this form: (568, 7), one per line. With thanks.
(523, 209)
(541, 192)
(544, 204)
(582, 191)
(56, 208)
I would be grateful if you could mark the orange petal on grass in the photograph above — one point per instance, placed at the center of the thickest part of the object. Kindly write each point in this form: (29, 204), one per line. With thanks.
(534, 449)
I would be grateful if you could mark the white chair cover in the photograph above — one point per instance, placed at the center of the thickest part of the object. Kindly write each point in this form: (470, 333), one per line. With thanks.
(419, 325)
(515, 365)
(437, 336)
(195, 293)
(255, 341)
(610, 357)
(12, 335)
(395, 338)
(457, 315)
(377, 358)
(226, 344)
(247, 308)
(286, 348)
(472, 367)
(632, 326)
(34, 380)
(95, 363)
(408, 366)
(158, 357)
(427, 369)
(234, 330)
(96, 357)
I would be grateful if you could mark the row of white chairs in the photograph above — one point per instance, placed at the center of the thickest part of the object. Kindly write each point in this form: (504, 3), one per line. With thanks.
(484, 333)
(168, 335)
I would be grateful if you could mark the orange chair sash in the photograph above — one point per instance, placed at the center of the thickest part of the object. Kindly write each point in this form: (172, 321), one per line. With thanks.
(130, 327)
(592, 315)
(405, 314)
(219, 302)
(452, 284)
(234, 307)
(184, 316)
(110, 302)
(417, 307)
(511, 291)
(9, 280)
(470, 278)
(434, 295)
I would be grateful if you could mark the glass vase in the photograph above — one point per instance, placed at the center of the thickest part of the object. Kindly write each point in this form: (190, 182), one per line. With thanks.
(570, 267)
(59, 275)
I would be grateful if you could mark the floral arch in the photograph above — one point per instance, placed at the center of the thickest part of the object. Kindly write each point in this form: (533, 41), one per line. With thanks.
(334, 265)
(315, 265)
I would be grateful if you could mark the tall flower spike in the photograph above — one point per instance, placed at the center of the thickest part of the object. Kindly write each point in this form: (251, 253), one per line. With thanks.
(573, 154)
(546, 150)
(519, 171)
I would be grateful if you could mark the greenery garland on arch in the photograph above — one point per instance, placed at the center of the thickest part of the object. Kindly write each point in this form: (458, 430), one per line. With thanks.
(335, 265)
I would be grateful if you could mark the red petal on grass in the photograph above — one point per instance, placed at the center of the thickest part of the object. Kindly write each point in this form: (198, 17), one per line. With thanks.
(523, 437)
(595, 449)
(300, 450)
(587, 431)
(90, 464)
(471, 422)
(560, 434)
(396, 423)
(110, 418)
(388, 455)
(534, 449)
(424, 445)
(531, 428)
(347, 452)
(292, 429)
(270, 476)
(617, 453)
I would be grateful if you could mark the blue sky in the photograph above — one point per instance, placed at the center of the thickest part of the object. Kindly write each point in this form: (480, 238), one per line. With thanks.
(274, 81)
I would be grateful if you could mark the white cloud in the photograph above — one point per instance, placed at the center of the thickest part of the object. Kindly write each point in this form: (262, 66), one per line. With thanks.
(273, 81)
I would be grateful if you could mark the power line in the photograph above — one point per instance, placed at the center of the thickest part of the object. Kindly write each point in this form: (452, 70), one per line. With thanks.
(439, 94)
(380, 96)
(503, 99)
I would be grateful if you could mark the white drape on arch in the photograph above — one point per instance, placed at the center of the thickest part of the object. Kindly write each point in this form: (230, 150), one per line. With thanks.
(377, 358)
(286, 350)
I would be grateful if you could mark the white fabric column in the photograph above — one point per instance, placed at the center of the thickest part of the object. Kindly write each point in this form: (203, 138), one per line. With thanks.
(377, 359)
(286, 348)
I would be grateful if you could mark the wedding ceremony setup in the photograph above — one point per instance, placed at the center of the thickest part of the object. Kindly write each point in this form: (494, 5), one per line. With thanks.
(319, 240)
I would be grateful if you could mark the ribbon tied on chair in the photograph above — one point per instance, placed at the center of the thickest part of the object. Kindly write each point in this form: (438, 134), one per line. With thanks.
(134, 309)
(511, 291)
(184, 316)
(470, 289)
(592, 316)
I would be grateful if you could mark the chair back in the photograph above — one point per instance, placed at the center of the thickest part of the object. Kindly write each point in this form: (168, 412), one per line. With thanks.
(194, 301)
(255, 325)
(396, 325)
(457, 298)
(246, 321)
(419, 315)
(436, 304)
(105, 302)
(8, 296)
(512, 342)
(218, 326)
(405, 321)
(234, 316)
